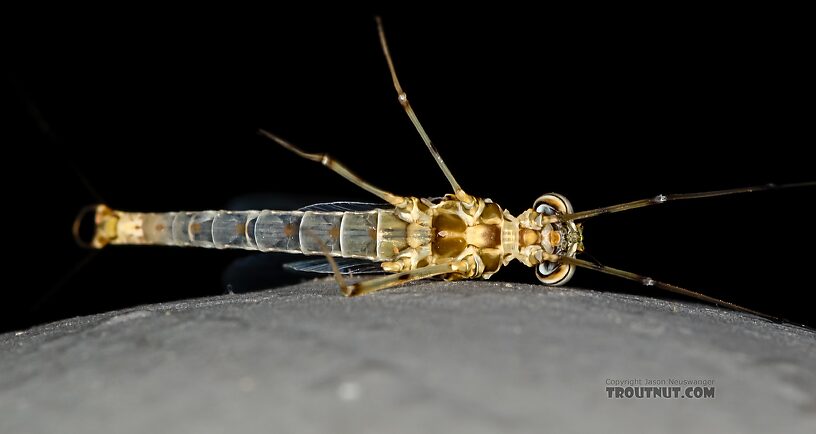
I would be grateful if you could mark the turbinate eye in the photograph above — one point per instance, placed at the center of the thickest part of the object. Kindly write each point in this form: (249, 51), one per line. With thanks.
(550, 273)
(553, 274)
(552, 203)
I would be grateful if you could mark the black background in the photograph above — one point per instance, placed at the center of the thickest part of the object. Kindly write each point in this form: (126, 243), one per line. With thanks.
(161, 114)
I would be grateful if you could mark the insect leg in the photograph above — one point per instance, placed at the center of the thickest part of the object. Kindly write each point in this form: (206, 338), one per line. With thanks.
(403, 99)
(659, 199)
(378, 283)
(648, 281)
(340, 169)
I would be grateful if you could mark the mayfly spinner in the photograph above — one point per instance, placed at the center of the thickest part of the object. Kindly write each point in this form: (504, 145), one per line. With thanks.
(458, 236)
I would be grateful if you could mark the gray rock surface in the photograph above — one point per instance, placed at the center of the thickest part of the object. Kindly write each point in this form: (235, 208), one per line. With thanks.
(432, 357)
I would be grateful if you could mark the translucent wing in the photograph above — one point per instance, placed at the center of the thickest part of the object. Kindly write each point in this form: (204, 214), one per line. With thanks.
(345, 206)
(269, 270)
(256, 272)
(346, 266)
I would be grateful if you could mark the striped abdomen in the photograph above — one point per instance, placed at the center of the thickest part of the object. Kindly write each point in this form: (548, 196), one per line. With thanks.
(375, 235)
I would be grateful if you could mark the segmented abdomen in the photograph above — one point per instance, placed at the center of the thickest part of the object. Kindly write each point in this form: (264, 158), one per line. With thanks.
(375, 235)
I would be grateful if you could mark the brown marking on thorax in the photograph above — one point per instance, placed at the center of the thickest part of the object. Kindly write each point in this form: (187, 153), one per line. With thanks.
(484, 236)
(452, 235)
(449, 235)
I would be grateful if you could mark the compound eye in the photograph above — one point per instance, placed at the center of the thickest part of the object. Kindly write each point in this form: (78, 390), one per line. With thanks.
(552, 203)
(550, 273)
